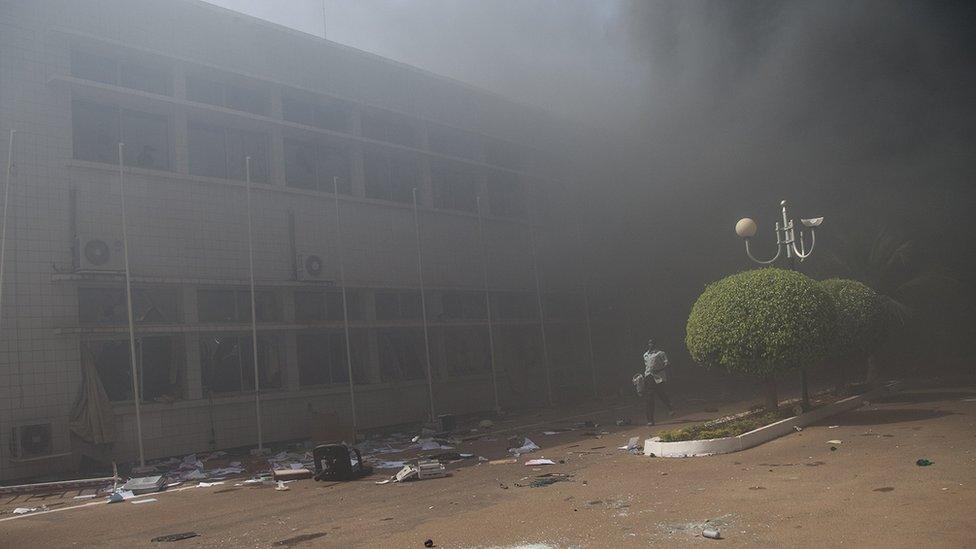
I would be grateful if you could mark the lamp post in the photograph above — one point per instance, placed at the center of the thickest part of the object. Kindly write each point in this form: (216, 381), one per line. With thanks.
(795, 249)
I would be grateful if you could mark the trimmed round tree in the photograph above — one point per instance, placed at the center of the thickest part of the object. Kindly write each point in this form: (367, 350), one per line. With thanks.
(761, 322)
(861, 322)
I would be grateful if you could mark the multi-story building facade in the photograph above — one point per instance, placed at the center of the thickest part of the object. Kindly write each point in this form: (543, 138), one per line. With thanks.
(193, 90)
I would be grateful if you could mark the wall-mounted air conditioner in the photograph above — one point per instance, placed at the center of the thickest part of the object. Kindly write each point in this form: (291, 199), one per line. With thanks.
(99, 254)
(310, 267)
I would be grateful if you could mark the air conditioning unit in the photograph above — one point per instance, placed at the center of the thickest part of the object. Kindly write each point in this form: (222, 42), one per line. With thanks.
(31, 441)
(310, 267)
(99, 254)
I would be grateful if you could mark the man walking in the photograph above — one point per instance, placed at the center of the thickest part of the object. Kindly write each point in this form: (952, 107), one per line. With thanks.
(651, 383)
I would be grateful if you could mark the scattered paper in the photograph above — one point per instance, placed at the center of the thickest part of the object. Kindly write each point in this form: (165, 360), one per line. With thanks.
(833, 426)
(209, 484)
(527, 446)
(147, 500)
(536, 462)
(24, 510)
(835, 441)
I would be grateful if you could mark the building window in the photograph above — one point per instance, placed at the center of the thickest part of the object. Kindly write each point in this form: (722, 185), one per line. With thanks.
(403, 305)
(108, 305)
(319, 112)
(389, 127)
(313, 166)
(455, 188)
(563, 306)
(159, 361)
(220, 152)
(126, 72)
(402, 354)
(234, 305)
(322, 357)
(466, 349)
(227, 363)
(504, 154)
(391, 176)
(326, 306)
(463, 306)
(505, 197)
(454, 142)
(227, 94)
(516, 306)
(98, 129)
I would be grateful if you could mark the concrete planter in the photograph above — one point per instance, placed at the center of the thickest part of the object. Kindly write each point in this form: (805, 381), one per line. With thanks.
(727, 445)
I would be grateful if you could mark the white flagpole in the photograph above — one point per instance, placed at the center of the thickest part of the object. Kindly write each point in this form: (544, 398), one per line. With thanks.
(586, 311)
(136, 396)
(423, 304)
(491, 330)
(542, 317)
(345, 307)
(6, 202)
(254, 317)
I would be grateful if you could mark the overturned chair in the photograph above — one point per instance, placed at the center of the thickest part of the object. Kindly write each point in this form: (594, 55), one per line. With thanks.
(334, 462)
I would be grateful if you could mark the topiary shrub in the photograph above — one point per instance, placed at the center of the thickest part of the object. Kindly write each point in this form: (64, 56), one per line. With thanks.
(761, 322)
(861, 323)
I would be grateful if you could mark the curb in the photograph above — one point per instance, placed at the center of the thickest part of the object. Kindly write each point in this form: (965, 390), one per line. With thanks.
(727, 445)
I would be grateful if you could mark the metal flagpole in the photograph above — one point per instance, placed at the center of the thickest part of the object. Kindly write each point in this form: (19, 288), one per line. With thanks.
(586, 311)
(423, 303)
(345, 308)
(542, 317)
(6, 202)
(254, 317)
(491, 330)
(136, 396)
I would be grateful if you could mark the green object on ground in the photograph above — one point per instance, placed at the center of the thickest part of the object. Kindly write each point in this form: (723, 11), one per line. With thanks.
(924, 462)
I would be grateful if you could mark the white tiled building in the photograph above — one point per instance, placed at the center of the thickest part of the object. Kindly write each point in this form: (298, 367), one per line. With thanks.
(192, 89)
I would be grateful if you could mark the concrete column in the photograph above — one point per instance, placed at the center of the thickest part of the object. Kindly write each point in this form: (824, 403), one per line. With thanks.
(277, 141)
(290, 358)
(194, 373)
(426, 197)
(356, 156)
(372, 365)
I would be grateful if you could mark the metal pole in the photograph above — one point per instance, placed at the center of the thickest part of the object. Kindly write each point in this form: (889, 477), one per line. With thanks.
(136, 396)
(423, 303)
(254, 317)
(3, 229)
(586, 311)
(491, 330)
(542, 316)
(345, 308)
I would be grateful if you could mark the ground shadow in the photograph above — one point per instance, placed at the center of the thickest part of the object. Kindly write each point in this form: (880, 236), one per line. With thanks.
(920, 398)
(882, 417)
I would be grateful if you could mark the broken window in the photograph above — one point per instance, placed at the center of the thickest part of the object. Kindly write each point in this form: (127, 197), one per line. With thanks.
(107, 305)
(466, 349)
(128, 72)
(402, 305)
(455, 187)
(463, 306)
(319, 112)
(389, 127)
(313, 166)
(231, 95)
(516, 306)
(221, 152)
(391, 175)
(160, 367)
(454, 142)
(97, 130)
(227, 363)
(234, 305)
(505, 195)
(326, 306)
(322, 357)
(402, 353)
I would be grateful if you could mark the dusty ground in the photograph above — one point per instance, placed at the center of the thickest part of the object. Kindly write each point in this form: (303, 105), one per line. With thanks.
(791, 492)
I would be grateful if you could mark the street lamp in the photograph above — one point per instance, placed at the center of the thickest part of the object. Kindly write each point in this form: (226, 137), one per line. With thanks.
(785, 240)
(785, 237)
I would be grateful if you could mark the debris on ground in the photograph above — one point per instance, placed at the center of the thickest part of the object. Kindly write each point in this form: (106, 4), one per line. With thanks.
(547, 479)
(833, 426)
(711, 533)
(176, 537)
(507, 461)
(429, 543)
(26, 510)
(526, 447)
(486, 424)
(146, 500)
(835, 441)
(623, 421)
(145, 485)
(282, 487)
(538, 462)
(922, 462)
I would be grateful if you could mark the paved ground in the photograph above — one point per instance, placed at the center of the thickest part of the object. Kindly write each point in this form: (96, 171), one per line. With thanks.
(790, 492)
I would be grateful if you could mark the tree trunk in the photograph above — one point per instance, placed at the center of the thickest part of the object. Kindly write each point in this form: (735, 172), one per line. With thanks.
(772, 401)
